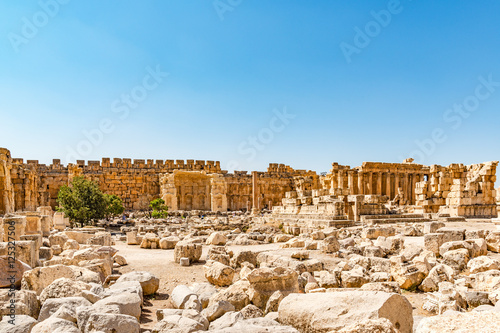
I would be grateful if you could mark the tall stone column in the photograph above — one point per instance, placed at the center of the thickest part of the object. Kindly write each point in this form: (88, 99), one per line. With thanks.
(396, 183)
(255, 189)
(379, 183)
(388, 188)
(341, 179)
(7, 204)
(370, 183)
(407, 188)
(411, 182)
(334, 182)
(361, 184)
(350, 181)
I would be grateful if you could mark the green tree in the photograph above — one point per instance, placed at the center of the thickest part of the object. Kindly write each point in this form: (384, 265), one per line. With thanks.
(114, 205)
(159, 209)
(82, 201)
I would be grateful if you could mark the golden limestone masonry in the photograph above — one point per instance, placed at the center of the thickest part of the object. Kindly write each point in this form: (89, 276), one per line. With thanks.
(345, 194)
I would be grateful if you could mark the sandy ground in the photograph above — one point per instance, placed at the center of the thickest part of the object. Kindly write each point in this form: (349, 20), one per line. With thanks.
(161, 264)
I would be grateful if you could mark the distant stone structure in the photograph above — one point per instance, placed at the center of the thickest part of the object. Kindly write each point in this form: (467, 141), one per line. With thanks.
(184, 185)
(348, 195)
(343, 194)
(221, 191)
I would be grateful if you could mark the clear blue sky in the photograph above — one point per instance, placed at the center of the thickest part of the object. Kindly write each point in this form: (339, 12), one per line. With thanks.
(232, 65)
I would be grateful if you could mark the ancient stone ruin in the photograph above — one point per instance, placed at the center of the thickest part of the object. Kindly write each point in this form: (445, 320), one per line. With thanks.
(383, 247)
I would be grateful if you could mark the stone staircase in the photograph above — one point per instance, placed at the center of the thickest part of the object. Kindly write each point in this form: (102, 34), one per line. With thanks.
(394, 218)
(294, 224)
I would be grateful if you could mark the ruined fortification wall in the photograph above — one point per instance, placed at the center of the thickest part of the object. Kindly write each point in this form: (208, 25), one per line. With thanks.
(27, 185)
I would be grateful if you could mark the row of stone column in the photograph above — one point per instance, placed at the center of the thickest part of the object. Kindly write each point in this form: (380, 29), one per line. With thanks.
(377, 183)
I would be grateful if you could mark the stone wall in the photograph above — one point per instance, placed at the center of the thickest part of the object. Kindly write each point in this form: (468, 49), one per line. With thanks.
(27, 185)
(460, 190)
(202, 190)
(184, 185)
(456, 190)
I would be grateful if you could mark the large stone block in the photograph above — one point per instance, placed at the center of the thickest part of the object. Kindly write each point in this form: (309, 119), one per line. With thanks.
(219, 274)
(45, 222)
(433, 241)
(470, 322)
(13, 228)
(376, 232)
(330, 312)
(132, 238)
(59, 221)
(37, 238)
(80, 237)
(39, 278)
(148, 281)
(25, 302)
(11, 272)
(24, 251)
(493, 241)
(432, 227)
(33, 223)
(265, 281)
(187, 250)
(452, 234)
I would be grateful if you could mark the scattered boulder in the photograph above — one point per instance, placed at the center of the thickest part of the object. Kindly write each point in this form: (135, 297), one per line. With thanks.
(217, 309)
(185, 249)
(120, 260)
(168, 243)
(236, 294)
(219, 274)
(150, 241)
(493, 241)
(265, 281)
(127, 302)
(216, 238)
(251, 311)
(55, 325)
(148, 281)
(39, 278)
(18, 324)
(471, 322)
(11, 272)
(325, 312)
(51, 305)
(110, 323)
(329, 245)
(244, 256)
(184, 298)
(482, 264)
(64, 287)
